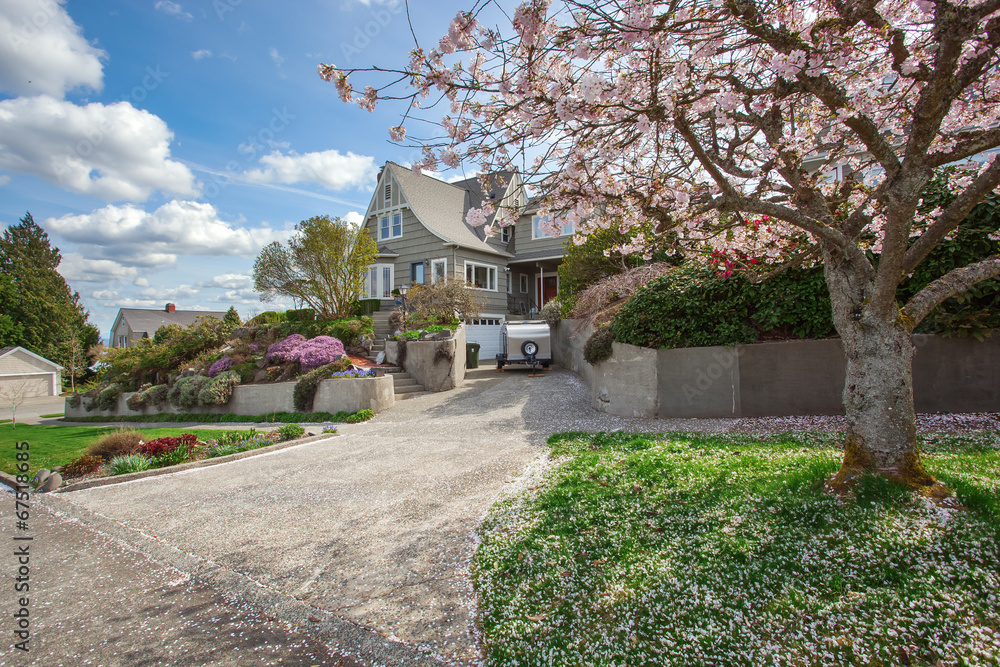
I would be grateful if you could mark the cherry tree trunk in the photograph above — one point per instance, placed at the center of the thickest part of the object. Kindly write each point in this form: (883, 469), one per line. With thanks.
(878, 389)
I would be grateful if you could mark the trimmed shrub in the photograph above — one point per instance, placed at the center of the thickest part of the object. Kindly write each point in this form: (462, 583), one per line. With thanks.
(223, 364)
(127, 463)
(349, 332)
(267, 317)
(185, 392)
(365, 307)
(219, 390)
(80, 466)
(107, 399)
(135, 401)
(598, 347)
(290, 431)
(156, 396)
(687, 307)
(122, 441)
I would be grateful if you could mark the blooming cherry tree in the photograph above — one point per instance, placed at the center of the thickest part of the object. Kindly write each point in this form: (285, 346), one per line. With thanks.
(704, 116)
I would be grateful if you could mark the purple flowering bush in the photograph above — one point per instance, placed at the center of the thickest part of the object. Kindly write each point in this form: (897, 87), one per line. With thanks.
(310, 353)
(284, 350)
(319, 351)
(223, 364)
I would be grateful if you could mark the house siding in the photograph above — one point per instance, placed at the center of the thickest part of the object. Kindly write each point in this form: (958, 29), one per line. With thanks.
(523, 243)
(19, 363)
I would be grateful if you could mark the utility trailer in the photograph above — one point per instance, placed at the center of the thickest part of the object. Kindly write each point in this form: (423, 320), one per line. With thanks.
(525, 342)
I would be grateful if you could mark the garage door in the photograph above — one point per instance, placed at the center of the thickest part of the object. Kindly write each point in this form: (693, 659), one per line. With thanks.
(34, 385)
(486, 332)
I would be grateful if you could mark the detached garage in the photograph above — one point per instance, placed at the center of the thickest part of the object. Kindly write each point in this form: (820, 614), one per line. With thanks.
(38, 375)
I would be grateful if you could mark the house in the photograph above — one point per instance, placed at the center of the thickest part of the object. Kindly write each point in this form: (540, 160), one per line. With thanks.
(418, 223)
(133, 324)
(22, 368)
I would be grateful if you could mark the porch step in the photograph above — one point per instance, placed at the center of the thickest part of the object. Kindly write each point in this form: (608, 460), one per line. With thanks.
(405, 386)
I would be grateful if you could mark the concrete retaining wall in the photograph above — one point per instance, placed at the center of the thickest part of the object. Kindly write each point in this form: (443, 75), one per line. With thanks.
(334, 395)
(803, 377)
(439, 365)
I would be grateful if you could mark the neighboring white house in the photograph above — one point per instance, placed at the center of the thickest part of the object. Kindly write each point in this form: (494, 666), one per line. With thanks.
(38, 375)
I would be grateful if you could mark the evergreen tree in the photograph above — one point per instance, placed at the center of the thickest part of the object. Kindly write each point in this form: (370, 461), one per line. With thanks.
(40, 310)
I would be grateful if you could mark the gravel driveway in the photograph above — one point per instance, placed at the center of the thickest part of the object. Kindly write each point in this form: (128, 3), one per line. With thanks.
(377, 524)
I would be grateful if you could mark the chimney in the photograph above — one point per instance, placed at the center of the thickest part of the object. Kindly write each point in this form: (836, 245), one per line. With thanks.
(170, 308)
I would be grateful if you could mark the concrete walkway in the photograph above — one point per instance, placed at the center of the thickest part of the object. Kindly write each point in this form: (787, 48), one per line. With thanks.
(375, 526)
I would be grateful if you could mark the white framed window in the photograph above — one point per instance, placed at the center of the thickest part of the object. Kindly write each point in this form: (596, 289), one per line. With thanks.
(390, 226)
(524, 284)
(506, 234)
(380, 281)
(538, 233)
(439, 270)
(482, 276)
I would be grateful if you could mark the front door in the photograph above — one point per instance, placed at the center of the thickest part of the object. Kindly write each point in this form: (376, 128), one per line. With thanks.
(379, 282)
(549, 288)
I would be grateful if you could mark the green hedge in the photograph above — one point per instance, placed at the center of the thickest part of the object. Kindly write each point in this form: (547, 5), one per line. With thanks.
(365, 307)
(271, 417)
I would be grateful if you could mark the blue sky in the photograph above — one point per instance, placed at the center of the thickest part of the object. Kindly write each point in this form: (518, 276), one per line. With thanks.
(161, 144)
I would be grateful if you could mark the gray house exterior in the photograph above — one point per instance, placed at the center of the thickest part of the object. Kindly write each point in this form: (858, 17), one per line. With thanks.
(418, 223)
(134, 324)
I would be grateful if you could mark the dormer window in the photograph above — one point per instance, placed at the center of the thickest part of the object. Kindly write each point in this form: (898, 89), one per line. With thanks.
(507, 234)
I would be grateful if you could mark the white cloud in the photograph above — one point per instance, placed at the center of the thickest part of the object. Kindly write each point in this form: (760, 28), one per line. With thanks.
(172, 9)
(330, 169)
(141, 282)
(201, 53)
(105, 295)
(354, 218)
(75, 267)
(4, 179)
(133, 237)
(173, 293)
(231, 281)
(43, 51)
(276, 57)
(239, 296)
(115, 152)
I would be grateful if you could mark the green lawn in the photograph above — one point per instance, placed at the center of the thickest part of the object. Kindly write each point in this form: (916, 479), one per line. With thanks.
(728, 550)
(55, 445)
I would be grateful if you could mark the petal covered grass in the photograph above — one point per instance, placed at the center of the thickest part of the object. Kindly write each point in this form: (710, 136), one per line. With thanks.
(729, 550)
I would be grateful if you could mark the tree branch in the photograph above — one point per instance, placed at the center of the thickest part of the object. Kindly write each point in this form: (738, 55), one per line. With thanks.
(952, 216)
(947, 286)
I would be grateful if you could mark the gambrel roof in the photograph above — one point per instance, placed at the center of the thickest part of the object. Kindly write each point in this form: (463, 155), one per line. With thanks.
(441, 207)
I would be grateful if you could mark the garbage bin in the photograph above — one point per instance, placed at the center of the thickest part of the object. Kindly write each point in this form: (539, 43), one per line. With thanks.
(472, 354)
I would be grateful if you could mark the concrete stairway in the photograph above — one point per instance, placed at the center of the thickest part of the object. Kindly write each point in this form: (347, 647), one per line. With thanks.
(404, 386)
